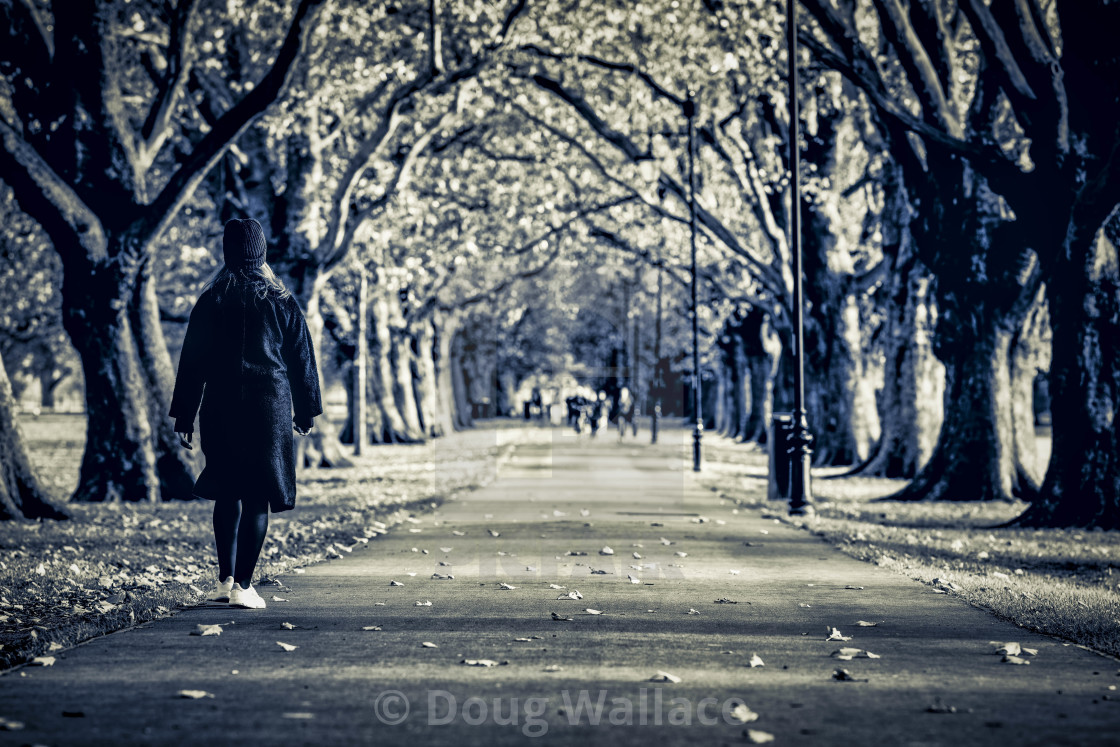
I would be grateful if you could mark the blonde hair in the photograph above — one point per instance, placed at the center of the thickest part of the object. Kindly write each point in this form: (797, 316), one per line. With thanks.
(262, 281)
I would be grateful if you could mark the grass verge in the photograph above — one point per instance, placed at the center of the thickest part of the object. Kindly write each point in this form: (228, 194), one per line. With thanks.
(1060, 582)
(115, 565)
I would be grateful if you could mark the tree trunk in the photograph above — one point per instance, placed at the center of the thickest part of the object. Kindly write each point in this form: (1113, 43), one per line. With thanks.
(427, 382)
(119, 461)
(404, 391)
(177, 466)
(21, 495)
(975, 457)
(464, 418)
(443, 330)
(839, 396)
(322, 447)
(911, 403)
(1082, 487)
(1030, 353)
(386, 423)
(763, 351)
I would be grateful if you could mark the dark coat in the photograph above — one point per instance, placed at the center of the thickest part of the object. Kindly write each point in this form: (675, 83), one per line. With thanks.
(249, 362)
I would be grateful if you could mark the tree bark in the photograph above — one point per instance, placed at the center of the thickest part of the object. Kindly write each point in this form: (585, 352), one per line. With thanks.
(177, 467)
(21, 494)
(464, 418)
(911, 404)
(119, 461)
(386, 424)
(444, 330)
(322, 447)
(763, 350)
(1082, 486)
(1030, 354)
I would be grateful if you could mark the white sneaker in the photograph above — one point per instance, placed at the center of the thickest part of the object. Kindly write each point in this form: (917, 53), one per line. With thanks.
(247, 598)
(221, 590)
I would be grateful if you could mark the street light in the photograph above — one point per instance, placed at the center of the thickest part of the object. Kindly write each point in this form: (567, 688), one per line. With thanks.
(698, 428)
(800, 440)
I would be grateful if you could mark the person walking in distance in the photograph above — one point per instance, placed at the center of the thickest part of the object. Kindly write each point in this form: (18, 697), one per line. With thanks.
(247, 359)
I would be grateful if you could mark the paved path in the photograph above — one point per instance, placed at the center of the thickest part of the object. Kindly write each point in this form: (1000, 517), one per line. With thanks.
(342, 684)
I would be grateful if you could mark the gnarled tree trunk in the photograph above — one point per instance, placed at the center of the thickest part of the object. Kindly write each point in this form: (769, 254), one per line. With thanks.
(911, 405)
(21, 494)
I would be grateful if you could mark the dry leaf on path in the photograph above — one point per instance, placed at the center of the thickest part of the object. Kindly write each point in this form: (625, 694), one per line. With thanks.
(194, 694)
(207, 630)
(553, 668)
(692, 611)
(278, 599)
(725, 600)
(556, 586)
(573, 594)
(395, 583)
(493, 533)
(754, 736)
(560, 618)
(847, 654)
(606, 551)
(1015, 660)
(633, 580)
(836, 635)
(479, 662)
(664, 677)
(854, 588)
(742, 714)
(865, 624)
(756, 661)
(371, 627)
(425, 603)
(429, 644)
(593, 612)
(286, 646)
(8, 724)
(504, 585)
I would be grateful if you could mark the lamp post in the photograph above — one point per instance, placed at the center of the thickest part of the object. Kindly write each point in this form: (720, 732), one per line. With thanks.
(800, 440)
(698, 428)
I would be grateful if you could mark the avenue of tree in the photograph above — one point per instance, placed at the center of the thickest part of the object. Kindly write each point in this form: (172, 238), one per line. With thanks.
(470, 198)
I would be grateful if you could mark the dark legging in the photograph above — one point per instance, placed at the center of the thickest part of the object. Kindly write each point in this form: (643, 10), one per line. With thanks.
(239, 530)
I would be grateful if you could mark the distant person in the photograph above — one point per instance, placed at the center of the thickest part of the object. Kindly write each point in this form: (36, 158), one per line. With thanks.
(248, 360)
(626, 413)
(597, 411)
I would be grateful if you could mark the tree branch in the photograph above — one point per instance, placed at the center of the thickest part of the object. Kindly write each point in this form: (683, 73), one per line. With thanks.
(227, 129)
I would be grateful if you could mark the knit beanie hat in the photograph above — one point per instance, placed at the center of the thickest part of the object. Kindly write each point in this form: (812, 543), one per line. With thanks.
(243, 244)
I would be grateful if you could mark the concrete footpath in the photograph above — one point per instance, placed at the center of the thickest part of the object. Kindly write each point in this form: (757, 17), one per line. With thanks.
(693, 589)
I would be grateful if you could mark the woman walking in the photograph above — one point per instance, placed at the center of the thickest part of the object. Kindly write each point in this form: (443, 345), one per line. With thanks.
(248, 360)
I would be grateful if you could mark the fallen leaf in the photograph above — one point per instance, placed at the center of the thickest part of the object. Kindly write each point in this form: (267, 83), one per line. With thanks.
(8, 724)
(606, 551)
(504, 585)
(593, 612)
(560, 618)
(553, 668)
(372, 627)
(836, 635)
(298, 715)
(55, 646)
(42, 661)
(733, 572)
(664, 677)
(633, 580)
(457, 533)
(754, 736)
(395, 583)
(680, 554)
(207, 630)
(1015, 660)
(637, 556)
(865, 624)
(742, 714)
(286, 646)
(429, 644)
(597, 572)
(445, 549)
(194, 694)
(693, 611)
(725, 600)
(573, 594)
(278, 599)
(847, 654)
(479, 662)
(941, 708)
(1006, 649)
(425, 603)
(493, 533)
(854, 588)
(756, 661)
